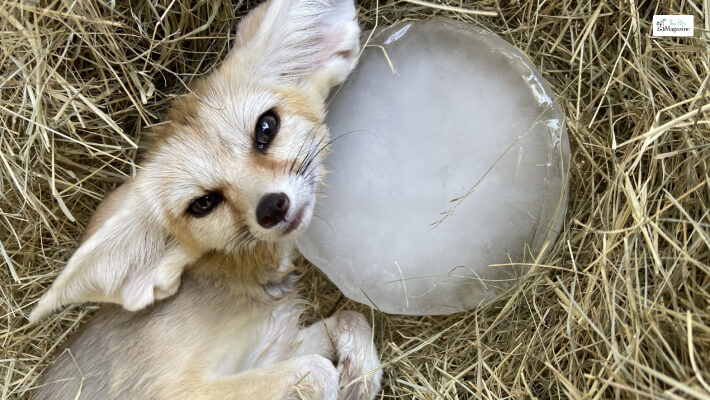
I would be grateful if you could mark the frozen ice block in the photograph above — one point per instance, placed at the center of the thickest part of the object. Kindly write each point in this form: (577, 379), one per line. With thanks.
(447, 171)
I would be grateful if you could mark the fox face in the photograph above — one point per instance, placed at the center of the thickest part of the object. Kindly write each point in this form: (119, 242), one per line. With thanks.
(237, 163)
(239, 166)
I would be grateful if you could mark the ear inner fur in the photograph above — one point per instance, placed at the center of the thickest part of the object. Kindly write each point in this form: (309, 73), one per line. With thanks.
(119, 263)
(107, 208)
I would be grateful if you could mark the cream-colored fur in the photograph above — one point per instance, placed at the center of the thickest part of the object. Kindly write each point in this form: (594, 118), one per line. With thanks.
(205, 307)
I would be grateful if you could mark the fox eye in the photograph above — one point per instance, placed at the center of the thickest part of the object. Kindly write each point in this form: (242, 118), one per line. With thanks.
(266, 129)
(202, 206)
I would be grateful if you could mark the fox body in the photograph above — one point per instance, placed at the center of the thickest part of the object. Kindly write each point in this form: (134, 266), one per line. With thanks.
(195, 251)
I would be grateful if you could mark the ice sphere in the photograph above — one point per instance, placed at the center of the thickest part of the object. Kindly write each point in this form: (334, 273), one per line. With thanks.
(438, 111)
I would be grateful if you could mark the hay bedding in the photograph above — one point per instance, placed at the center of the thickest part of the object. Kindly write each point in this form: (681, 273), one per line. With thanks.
(620, 306)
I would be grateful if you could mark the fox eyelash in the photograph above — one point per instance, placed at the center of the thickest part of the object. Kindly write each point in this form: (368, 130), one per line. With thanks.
(204, 205)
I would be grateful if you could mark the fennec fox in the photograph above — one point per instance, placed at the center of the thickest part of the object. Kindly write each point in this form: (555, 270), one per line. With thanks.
(195, 251)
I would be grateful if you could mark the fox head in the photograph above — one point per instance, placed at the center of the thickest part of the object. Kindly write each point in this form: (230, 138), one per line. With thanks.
(238, 162)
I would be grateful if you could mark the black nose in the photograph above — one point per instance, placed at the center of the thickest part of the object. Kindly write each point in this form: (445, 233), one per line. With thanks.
(272, 209)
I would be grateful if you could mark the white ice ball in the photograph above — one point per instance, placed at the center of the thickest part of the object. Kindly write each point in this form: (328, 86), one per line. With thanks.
(438, 111)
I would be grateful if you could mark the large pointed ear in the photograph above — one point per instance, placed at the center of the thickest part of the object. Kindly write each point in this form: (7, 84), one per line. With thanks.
(316, 41)
(127, 258)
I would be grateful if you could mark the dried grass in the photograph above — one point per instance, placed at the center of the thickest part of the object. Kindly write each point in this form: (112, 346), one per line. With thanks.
(620, 306)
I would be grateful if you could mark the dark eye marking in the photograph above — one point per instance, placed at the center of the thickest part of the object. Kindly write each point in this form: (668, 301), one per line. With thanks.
(204, 205)
(267, 126)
